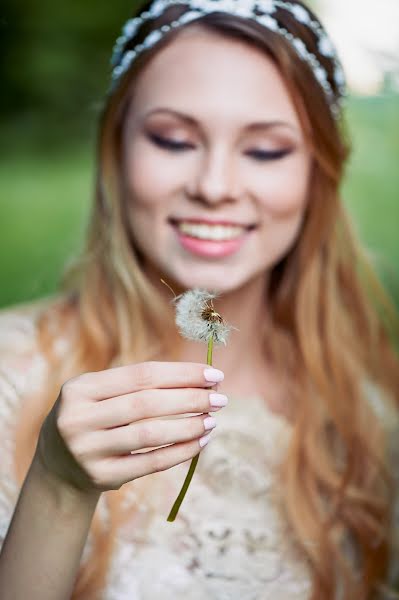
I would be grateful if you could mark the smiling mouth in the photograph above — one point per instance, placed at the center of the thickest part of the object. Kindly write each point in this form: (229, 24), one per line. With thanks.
(212, 231)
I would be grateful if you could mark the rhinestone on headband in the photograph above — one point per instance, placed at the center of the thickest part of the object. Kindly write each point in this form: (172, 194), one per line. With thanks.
(122, 60)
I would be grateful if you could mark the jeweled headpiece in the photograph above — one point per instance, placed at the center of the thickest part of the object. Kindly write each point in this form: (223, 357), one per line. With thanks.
(261, 11)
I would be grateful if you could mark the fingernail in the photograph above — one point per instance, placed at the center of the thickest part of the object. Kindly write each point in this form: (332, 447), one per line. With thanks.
(204, 440)
(209, 423)
(213, 375)
(218, 400)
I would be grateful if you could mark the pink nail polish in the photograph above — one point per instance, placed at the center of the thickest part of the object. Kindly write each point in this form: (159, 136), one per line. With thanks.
(213, 375)
(209, 423)
(218, 400)
(204, 440)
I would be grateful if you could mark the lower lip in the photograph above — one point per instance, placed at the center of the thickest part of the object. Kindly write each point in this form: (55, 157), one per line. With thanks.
(211, 248)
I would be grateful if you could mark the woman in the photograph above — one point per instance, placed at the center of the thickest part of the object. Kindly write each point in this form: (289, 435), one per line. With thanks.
(220, 157)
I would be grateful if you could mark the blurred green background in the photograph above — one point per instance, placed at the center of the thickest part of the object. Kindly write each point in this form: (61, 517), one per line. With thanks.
(54, 73)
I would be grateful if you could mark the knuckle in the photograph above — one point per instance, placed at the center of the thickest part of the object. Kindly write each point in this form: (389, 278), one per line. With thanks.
(201, 400)
(194, 401)
(99, 483)
(75, 386)
(63, 424)
(145, 434)
(132, 409)
(144, 374)
(66, 425)
(196, 427)
(68, 389)
(188, 450)
(189, 375)
(79, 451)
(199, 428)
(69, 422)
(98, 478)
(158, 462)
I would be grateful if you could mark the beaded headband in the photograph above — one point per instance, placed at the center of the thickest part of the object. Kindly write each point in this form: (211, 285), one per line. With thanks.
(257, 10)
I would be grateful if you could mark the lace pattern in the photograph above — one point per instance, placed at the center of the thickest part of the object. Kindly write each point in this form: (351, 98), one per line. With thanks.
(229, 539)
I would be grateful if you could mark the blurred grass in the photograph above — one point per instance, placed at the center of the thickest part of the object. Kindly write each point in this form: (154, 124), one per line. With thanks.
(45, 198)
(43, 213)
(371, 186)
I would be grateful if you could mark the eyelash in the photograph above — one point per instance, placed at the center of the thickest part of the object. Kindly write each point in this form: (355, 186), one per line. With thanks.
(181, 146)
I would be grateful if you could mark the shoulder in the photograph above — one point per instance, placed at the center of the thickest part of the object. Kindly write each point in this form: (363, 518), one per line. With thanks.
(18, 340)
(18, 335)
(19, 325)
(17, 328)
(24, 372)
(22, 363)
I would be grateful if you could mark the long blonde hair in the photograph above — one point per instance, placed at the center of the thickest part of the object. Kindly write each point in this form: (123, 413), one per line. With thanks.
(330, 339)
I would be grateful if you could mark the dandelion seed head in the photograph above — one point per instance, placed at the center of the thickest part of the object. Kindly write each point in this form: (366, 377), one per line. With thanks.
(197, 320)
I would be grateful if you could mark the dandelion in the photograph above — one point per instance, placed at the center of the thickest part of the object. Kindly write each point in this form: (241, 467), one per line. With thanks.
(197, 319)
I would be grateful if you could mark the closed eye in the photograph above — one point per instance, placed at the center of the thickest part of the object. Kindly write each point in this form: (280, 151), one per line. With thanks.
(169, 144)
(261, 155)
(268, 154)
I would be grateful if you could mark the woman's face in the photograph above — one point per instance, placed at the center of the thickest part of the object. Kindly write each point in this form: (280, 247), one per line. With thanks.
(216, 163)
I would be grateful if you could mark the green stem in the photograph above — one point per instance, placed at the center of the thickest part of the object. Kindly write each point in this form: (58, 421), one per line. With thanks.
(210, 350)
(194, 461)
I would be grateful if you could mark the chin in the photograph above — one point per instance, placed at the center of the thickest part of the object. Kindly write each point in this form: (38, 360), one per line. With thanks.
(215, 280)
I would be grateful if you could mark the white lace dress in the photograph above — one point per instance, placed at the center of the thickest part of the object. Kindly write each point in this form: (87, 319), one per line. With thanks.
(230, 539)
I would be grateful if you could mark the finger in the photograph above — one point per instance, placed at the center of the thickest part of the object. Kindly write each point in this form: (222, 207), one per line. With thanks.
(146, 404)
(146, 375)
(133, 466)
(146, 434)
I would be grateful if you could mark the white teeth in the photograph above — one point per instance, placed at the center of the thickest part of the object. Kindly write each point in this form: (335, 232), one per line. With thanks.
(211, 232)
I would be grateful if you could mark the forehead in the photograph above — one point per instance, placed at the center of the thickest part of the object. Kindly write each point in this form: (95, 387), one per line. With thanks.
(212, 75)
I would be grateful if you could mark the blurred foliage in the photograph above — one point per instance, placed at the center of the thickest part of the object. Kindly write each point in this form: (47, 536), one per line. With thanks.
(371, 185)
(54, 73)
(55, 61)
(43, 212)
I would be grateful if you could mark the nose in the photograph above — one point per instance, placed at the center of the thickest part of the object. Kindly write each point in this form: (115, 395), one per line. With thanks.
(214, 180)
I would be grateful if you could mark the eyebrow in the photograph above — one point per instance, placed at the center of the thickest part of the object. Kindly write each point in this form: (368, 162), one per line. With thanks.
(250, 127)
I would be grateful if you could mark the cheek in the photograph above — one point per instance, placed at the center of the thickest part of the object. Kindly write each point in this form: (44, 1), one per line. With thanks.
(150, 176)
(282, 234)
(277, 236)
(282, 202)
(284, 191)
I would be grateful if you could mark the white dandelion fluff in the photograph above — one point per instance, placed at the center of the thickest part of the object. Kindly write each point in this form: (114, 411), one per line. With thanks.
(196, 318)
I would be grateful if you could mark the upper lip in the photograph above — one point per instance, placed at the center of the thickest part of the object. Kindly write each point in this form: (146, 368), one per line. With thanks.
(207, 221)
